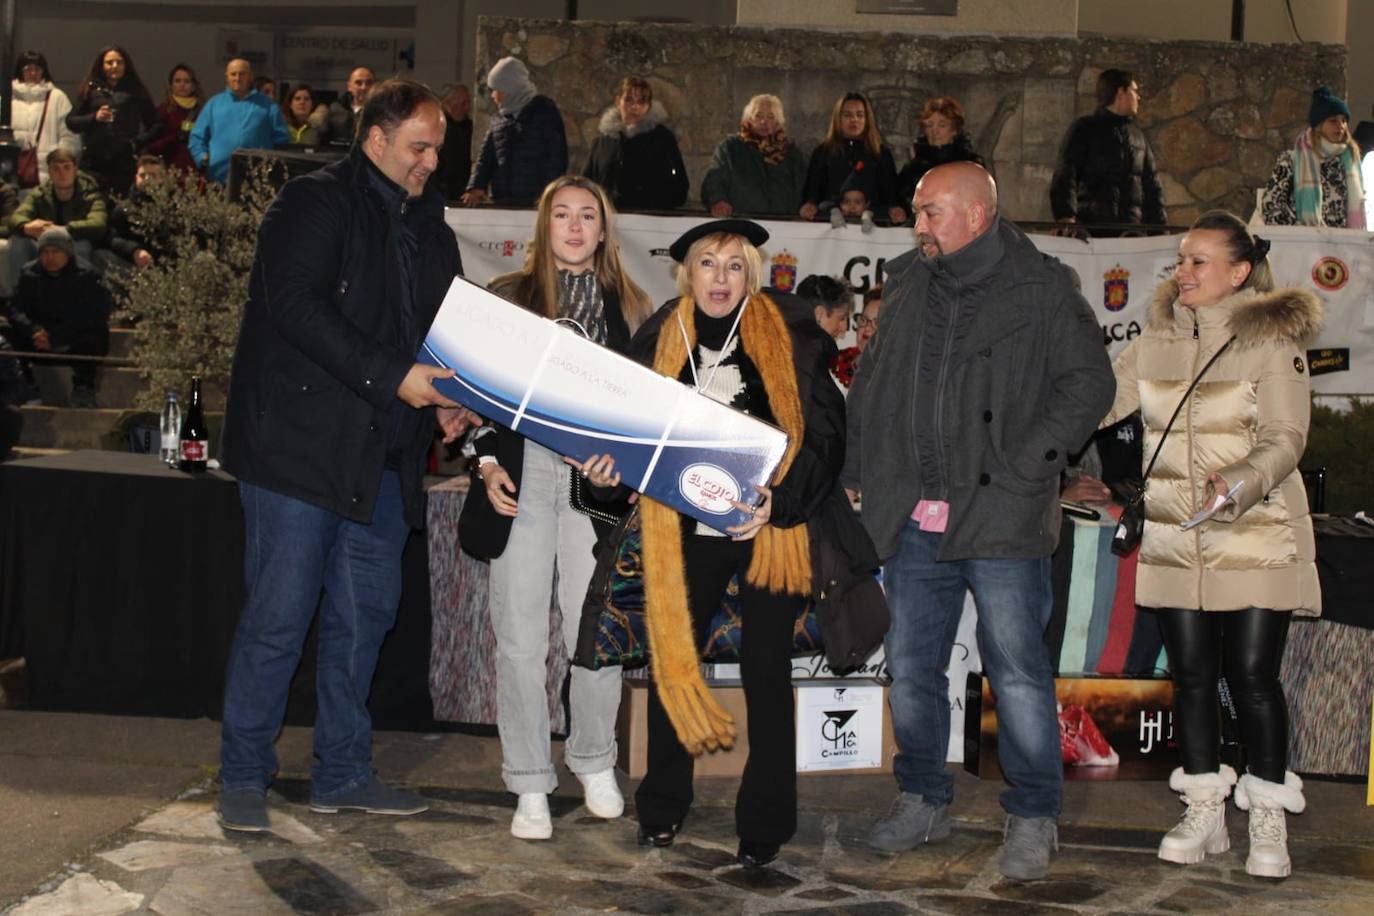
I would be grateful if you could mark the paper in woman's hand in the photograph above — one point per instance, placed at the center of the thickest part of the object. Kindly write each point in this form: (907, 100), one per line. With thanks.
(1212, 508)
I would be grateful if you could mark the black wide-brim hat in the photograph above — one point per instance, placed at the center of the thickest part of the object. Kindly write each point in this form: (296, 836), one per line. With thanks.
(752, 232)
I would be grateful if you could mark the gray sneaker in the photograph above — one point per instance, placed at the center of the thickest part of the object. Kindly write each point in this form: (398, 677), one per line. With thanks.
(244, 810)
(1026, 846)
(374, 797)
(910, 822)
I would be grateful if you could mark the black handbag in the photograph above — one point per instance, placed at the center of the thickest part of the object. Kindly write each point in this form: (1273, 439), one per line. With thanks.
(1131, 526)
(848, 601)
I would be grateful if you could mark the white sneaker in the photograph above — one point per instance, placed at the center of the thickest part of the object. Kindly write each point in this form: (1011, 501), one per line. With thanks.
(532, 820)
(603, 793)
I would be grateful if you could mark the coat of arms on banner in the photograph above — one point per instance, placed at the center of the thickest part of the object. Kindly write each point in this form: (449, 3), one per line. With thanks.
(782, 272)
(1330, 273)
(1116, 288)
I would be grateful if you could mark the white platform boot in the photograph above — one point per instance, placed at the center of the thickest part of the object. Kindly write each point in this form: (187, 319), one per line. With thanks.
(1267, 802)
(1202, 830)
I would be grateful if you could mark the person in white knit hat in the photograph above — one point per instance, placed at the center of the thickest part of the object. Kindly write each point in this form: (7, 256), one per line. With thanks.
(525, 147)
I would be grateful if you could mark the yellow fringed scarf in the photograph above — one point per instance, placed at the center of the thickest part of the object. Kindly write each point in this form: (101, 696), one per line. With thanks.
(782, 556)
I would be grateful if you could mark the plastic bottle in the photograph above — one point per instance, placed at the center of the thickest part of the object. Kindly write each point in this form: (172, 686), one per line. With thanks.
(170, 428)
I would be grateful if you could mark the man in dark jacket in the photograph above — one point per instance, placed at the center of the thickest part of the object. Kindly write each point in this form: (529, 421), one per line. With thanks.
(1106, 170)
(525, 147)
(987, 369)
(326, 429)
(59, 305)
(128, 244)
(341, 119)
(455, 159)
(69, 198)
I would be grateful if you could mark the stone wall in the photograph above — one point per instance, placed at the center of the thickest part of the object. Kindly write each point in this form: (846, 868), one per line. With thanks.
(1216, 113)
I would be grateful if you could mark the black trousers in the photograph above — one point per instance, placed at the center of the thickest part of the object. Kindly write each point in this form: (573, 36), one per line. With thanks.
(766, 805)
(1248, 646)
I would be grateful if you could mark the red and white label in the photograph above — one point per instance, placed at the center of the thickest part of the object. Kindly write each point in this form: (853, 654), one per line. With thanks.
(709, 488)
(194, 449)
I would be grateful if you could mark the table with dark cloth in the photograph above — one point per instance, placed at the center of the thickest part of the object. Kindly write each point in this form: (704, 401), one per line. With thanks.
(121, 582)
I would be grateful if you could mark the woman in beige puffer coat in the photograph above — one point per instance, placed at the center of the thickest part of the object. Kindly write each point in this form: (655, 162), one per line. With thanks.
(1224, 590)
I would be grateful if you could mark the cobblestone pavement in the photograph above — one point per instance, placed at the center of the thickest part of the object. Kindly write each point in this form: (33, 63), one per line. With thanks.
(460, 857)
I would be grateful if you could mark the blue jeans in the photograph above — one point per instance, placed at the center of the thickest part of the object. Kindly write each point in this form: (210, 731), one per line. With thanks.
(292, 551)
(1013, 600)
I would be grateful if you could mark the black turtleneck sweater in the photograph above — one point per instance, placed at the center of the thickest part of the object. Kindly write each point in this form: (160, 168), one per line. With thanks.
(957, 285)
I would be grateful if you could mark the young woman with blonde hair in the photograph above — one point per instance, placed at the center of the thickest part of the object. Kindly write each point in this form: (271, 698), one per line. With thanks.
(520, 515)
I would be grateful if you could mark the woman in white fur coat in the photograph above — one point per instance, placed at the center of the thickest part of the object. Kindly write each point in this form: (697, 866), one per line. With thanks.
(1225, 590)
(32, 89)
(635, 157)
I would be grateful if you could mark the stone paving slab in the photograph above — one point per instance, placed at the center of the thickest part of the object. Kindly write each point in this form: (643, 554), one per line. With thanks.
(172, 859)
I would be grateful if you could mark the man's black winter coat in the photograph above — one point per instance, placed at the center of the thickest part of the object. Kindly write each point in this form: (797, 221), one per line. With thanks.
(1106, 173)
(320, 352)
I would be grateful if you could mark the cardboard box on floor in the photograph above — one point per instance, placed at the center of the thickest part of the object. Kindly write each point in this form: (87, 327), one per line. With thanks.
(841, 727)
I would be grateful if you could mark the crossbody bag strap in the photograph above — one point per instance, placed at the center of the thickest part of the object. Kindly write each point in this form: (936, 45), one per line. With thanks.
(43, 119)
(1184, 400)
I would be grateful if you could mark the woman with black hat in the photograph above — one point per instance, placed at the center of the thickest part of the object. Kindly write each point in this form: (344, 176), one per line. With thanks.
(729, 341)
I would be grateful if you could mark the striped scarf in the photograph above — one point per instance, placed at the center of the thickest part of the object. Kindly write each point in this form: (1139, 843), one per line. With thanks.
(579, 300)
(1307, 181)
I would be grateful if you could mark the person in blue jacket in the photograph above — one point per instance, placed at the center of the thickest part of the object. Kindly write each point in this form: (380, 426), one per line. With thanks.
(525, 147)
(240, 117)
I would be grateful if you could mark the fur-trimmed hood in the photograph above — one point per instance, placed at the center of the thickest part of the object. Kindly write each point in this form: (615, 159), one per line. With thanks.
(613, 124)
(30, 92)
(1290, 314)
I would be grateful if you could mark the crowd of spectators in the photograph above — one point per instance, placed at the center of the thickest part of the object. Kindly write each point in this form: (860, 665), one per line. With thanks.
(89, 156)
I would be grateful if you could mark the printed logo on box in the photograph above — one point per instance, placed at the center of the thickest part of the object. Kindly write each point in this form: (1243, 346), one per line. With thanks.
(709, 487)
(839, 727)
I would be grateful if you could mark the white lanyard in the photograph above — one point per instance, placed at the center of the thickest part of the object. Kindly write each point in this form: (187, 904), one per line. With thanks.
(691, 359)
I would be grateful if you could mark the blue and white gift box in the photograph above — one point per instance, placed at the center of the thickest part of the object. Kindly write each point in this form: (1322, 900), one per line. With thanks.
(552, 385)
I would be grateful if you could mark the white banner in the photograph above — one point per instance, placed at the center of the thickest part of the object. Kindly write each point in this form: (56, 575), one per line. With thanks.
(1118, 275)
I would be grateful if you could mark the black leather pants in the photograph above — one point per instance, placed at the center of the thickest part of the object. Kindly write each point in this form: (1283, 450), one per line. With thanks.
(1248, 646)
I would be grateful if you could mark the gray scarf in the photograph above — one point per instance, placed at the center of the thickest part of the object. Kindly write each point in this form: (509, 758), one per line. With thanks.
(516, 99)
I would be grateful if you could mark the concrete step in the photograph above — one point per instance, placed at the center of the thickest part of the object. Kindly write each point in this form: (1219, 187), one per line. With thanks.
(22, 452)
(70, 428)
(115, 386)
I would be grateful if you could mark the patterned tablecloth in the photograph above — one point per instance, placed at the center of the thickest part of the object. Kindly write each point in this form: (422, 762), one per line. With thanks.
(462, 666)
(1328, 677)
